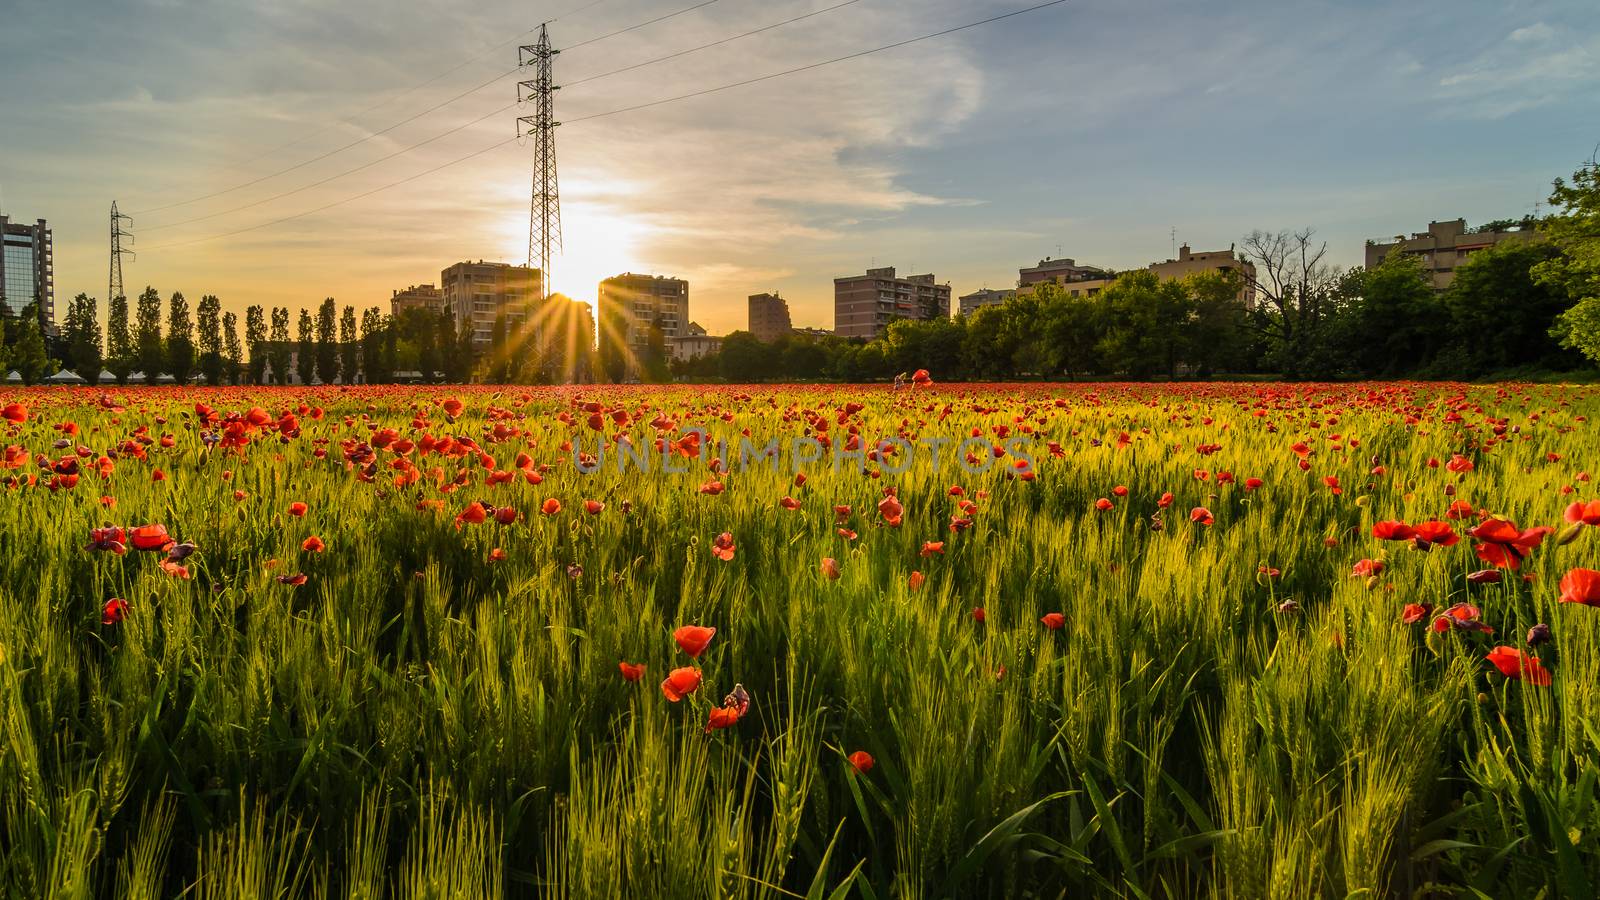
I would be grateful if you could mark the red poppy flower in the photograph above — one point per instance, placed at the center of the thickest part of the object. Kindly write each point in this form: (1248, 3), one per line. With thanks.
(921, 377)
(680, 683)
(862, 761)
(693, 639)
(733, 708)
(830, 568)
(312, 544)
(15, 413)
(1581, 586)
(550, 506)
(929, 548)
(1053, 621)
(1587, 513)
(1119, 491)
(1503, 545)
(292, 580)
(115, 609)
(1367, 568)
(1434, 534)
(891, 510)
(722, 547)
(721, 717)
(631, 671)
(593, 507)
(497, 555)
(297, 509)
(474, 514)
(1392, 531)
(1459, 464)
(1102, 504)
(1515, 664)
(1251, 484)
(915, 581)
(150, 538)
(1485, 576)
(789, 503)
(1200, 515)
(1415, 612)
(1165, 500)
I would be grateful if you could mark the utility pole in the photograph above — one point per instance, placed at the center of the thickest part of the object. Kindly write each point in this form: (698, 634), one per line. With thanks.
(114, 288)
(544, 218)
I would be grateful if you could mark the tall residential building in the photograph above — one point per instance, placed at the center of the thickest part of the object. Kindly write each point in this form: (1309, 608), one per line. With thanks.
(1446, 245)
(1058, 271)
(27, 269)
(769, 317)
(630, 304)
(1074, 280)
(976, 300)
(479, 292)
(417, 296)
(1224, 261)
(864, 305)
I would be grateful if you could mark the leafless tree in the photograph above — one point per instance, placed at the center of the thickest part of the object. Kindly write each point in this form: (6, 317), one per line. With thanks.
(1293, 289)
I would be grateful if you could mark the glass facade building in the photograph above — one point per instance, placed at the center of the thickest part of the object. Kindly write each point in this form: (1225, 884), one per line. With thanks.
(27, 269)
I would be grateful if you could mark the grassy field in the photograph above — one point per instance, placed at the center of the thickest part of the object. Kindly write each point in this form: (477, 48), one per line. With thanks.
(1177, 641)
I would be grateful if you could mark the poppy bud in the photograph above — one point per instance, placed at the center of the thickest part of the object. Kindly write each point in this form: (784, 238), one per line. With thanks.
(1539, 634)
(1569, 534)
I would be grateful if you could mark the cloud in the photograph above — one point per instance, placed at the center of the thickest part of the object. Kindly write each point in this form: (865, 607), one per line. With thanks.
(1533, 66)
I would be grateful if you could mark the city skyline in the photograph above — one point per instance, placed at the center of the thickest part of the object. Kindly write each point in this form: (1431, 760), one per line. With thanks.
(1065, 133)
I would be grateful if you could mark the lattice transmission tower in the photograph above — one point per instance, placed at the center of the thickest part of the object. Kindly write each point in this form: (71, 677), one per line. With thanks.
(118, 233)
(544, 219)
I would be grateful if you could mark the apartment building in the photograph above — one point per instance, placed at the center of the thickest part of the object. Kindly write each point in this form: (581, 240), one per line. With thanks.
(477, 293)
(864, 305)
(1445, 246)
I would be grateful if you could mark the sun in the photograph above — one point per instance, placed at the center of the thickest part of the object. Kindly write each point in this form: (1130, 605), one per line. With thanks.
(597, 243)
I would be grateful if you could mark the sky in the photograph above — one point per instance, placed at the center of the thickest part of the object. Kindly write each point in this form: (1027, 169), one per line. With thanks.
(1102, 130)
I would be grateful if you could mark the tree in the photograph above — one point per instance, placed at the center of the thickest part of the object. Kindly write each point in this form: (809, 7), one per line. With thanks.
(255, 338)
(119, 340)
(327, 348)
(26, 348)
(656, 356)
(147, 335)
(80, 338)
(180, 339)
(1500, 316)
(1579, 328)
(1393, 321)
(231, 350)
(306, 348)
(208, 325)
(349, 349)
(1298, 297)
(374, 347)
(744, 358)
(1575, 232)
(279, 352)
(614, 350)
(1216, 339)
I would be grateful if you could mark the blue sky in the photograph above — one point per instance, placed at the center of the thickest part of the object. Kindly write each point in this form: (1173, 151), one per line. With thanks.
(1092, 127)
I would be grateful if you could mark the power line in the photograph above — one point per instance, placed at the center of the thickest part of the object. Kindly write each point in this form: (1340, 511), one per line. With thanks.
(367, 137)
(613, 112)
(316, 159)
(380, 104)
(350, 120)
(596, 40)
(338, 175)
(817, 65)
(407, 149)
(716, 43)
